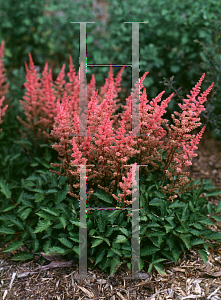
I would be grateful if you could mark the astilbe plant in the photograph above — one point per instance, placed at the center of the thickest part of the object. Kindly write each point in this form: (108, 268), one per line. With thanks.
(110, 160)
(4, 86)
(2, 110)
(42, 94)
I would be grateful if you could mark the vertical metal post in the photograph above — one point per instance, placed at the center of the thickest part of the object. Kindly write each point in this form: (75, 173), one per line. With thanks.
(82, 132)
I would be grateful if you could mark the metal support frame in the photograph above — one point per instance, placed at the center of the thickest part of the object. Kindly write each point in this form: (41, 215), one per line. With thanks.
(82, 132)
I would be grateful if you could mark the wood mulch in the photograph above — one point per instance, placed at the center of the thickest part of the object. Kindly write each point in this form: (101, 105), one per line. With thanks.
(189, 278)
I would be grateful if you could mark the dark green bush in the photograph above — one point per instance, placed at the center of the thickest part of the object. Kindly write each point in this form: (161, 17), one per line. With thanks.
(43, 217)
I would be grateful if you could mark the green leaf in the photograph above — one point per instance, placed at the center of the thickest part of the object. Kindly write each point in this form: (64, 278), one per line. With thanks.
(17, 222)
(218, 208)
(107, 241)
(101, 224)
(45, 215)
(210, 209)
(102, 196)
(8, 207)
(213, 236)
(42, 225)
(77, 223)
(26, 213)
(197, 241)
(176, 254)
(148, 250)
(62, 180)
(6, 230)
(124, 231)
(159, 269)
(186, 240)
(100, 257)
(121, 239)
(92, 231)
(5, 189)
(96, 243)
(213, 193)
(176, 204)
(115, 264)
(51, 211)
(51, 191)
(22, 256)
(13, 246)
(118, 252)
(35, 245)
(66, 242)
(155, 202)
(61, 195)
(55, 250)
(76, 249)
(63, 221)
(203, 254)
(159, 194)
(39, 197)
(206, 222)
(170, 243)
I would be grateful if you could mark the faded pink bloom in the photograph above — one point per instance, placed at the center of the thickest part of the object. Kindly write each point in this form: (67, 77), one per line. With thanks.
(2, 110)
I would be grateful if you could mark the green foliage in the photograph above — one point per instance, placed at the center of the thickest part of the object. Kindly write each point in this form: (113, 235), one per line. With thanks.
(178, 36)
(45, 218)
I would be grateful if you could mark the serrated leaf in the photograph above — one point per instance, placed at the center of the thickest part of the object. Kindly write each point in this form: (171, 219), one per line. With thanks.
(35, 245)
(51, 191)
(159, 194)
(62, 180)
(107, 241)
(77, 223)
(38, 197)
(203, 254)
(45, 215)
(42, 225)
(96, 243)
(17, 222)
(100, 257)
(213, 193)
(92, 231)
(26, 213)
(120, 239)
(61, 195)
(66, 242)
(218, 208)
(115, 264)
(159, 269)
(210, 208)
(217, 218)
(101, 224)
(176, 204)
(124, 231)
(155, 202)
(148, 250)
(8, 207)
(6, 230)
(76, 249)
(118, 252)
(55, 250)
(51, 211)
(22, 256)
(197, 241)
(63, 221)
(213, 236)
(102, 196)
(13, 246)
(206, 222)
(5, 189)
